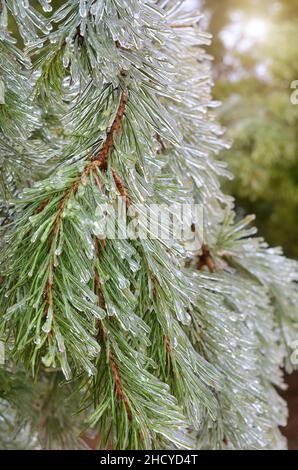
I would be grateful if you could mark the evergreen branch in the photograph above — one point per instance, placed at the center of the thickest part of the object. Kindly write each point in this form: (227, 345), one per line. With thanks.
(160, 340)
(137, 424)
(98, 161)
(101, 335)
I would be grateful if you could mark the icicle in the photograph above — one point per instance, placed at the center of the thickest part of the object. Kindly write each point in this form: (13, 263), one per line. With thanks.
(47, 327)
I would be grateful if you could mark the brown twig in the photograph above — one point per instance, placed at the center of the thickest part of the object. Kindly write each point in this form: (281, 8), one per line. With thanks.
(118, 385)
(121, 188)
(97, 181)
(49, 291)
(79, 36)
(206, 260)
(161, 143)
(62, 205)
(100, 159)
(168, 346)
(42, 206)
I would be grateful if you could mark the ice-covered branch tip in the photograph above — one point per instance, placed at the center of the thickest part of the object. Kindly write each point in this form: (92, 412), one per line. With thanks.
(97, 161)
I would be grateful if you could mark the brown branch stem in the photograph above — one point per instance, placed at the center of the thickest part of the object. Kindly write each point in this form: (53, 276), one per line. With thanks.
(206, 260)
(118, 385)
(121, 188)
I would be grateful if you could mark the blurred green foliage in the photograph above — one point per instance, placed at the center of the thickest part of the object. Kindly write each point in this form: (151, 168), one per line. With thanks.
(254, 83)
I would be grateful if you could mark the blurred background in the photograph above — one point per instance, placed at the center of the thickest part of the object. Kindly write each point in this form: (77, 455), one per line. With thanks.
(255, 51)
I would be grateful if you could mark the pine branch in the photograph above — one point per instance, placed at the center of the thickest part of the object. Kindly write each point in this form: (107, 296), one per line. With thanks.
(162, 343)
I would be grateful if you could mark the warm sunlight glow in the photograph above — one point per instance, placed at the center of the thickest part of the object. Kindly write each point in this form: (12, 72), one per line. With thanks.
(242, 33)
(256, 29)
